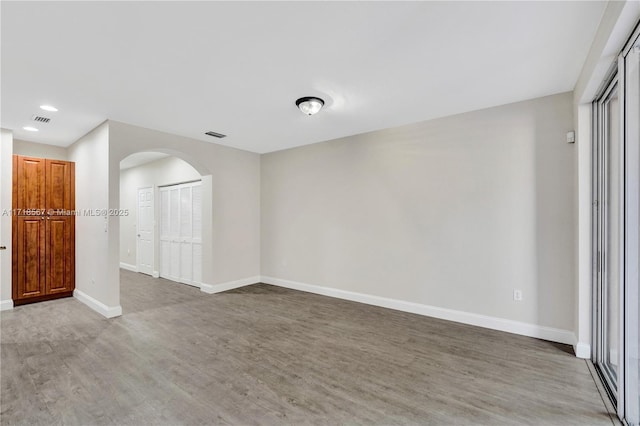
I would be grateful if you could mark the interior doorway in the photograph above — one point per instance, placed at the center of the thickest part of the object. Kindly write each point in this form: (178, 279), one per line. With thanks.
(161, 230)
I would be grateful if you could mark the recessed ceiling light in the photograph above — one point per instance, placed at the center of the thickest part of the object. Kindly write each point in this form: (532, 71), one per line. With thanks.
(309, 104)
(48, 108)
(30, 129)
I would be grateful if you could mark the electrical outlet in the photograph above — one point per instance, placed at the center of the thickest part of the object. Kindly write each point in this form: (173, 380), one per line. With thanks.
(128, 252)
(517, 295)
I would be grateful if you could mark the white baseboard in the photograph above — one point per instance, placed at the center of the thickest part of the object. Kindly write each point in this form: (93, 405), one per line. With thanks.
(6, 305)
(582, 350)
(155, 274)
(217, 288)
(128, 267)
(192, 283)
(101, 308)
(510, 326)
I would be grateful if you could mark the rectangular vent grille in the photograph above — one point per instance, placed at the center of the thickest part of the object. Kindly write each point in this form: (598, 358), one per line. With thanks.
(215, 135)
(41, 119)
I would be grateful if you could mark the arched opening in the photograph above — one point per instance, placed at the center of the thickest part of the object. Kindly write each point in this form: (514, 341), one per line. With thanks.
(164, 203)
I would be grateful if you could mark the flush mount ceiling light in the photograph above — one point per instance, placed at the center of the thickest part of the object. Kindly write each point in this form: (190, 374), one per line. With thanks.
(310, 105)
(49, 108)
(30, 129)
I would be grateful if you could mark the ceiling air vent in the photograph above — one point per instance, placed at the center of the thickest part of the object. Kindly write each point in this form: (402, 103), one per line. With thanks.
(215, 135)
(40, 119)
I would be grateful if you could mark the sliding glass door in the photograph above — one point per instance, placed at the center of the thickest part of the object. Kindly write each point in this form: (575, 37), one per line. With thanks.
(617, 233)
(610, 224)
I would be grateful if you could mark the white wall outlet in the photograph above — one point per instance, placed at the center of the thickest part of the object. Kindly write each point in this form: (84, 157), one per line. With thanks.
(128, 252)
(517, 295)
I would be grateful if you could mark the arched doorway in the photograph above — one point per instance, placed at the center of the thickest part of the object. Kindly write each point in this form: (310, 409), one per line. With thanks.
(164, 202)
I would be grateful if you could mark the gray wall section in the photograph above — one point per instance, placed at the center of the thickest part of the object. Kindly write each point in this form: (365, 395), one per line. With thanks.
(32, 149)
(231, 197)
(454, 212)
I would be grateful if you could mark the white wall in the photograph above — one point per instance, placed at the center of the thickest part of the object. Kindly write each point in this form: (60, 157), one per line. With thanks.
(95, 283)
(32, 149)
(454, 213)
(6, 188)
(166, 171)
(231, 217)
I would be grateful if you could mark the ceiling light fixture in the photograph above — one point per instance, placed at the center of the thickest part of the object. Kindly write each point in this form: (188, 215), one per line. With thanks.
(310, 105)
(49, 108)
(30, 129)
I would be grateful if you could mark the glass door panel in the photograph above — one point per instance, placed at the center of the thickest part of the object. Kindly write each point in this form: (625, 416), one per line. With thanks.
(612, 205)
(609, 221)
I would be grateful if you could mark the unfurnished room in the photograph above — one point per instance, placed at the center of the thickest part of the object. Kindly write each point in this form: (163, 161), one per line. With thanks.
(328, 213)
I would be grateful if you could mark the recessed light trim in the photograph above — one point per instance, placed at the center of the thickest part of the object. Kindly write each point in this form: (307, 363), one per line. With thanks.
(30, 129)
(310, 105)
(49, 108)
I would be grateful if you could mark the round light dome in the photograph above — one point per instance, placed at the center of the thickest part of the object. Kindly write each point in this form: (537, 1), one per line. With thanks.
(310, 105)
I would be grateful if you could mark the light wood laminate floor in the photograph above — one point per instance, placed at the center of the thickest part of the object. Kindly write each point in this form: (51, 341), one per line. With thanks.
(266, 355)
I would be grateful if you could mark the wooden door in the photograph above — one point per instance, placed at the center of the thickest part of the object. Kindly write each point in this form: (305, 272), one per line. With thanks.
(60, 186)
(44, 232)
(28, 257)
(60, 254)
(28, 184)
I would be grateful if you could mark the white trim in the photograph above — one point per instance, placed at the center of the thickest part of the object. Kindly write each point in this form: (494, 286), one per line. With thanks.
(510, 326)
(217, 288)
(128, 267)
(190, 283)
(6, 305)
(101, 308)
(155, 274)
(581, 349)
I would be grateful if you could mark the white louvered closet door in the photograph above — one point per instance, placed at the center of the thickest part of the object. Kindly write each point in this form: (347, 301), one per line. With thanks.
(180, 233)
(196, 223)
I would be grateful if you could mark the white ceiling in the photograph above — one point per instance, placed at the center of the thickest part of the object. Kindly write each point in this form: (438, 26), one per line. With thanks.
(237, 68)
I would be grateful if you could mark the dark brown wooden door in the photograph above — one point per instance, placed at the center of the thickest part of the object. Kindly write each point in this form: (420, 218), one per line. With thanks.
(44, 232)
(60, 254)
(60, 187)
(29, 257)
(29, 194)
